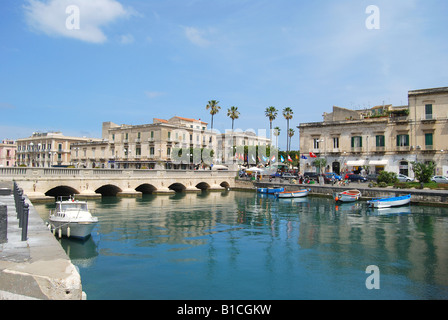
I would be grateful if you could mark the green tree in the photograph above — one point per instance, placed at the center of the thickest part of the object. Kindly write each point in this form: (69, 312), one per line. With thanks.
(387, 177)
(276, 134)
(320, 163)
(233, 114)
(291, 133)
(214, 109)
(287, 113)
(271, 113)
(423, 171)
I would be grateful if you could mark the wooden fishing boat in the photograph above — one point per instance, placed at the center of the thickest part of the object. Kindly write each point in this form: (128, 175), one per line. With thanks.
(347, 196)
(270, 190)
(389, 202)
(293, 194)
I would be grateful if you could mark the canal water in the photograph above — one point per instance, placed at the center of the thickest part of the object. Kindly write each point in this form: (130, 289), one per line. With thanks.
(241, 245)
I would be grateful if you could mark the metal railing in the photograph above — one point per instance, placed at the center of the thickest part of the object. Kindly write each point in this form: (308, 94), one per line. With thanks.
(22, 209)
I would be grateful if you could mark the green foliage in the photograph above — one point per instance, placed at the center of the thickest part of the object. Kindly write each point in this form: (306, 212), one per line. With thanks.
(423, 171)
(320, 163)
(387, 177)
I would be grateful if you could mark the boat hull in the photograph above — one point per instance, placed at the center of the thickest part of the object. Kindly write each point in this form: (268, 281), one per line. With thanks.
(79, 230)
(390, 202)
(347, 196)
(270, 190)
(293, 194)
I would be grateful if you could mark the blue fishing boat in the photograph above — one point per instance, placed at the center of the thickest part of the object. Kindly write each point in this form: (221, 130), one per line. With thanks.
(389, 202)
(270, 190)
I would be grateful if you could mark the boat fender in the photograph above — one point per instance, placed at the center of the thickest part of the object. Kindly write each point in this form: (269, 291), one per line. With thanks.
(68, 232)
(337, 199)
(60, 233)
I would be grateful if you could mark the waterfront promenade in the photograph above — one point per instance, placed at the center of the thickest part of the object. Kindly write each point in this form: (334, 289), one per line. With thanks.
(419, 196)
(37, 268)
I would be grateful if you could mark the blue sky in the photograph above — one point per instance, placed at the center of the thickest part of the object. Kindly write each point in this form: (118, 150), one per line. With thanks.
(133, 60)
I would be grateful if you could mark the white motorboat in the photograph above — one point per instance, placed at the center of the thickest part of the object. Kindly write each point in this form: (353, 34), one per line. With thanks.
(71, 218)
(389, 202)
(347, 196)
(293, 194)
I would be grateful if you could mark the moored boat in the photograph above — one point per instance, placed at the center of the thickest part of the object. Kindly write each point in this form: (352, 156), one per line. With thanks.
(389, 202)
(71, 218)
(270, 190)
(347, 196)
(293, 194)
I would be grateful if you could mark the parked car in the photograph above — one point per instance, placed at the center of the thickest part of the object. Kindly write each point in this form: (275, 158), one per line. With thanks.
(331, 175)
(440, 179)
(357, 177)
(403, 178)
(311, 175)
(287, 175)
(372, 177)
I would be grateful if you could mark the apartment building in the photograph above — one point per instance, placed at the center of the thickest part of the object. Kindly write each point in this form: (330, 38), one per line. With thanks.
(46, 149)
(158, 145)
(8, 149)
(384, 137)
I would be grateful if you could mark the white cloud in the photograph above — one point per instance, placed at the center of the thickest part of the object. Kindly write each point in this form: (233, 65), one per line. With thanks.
(154, 94)
(51, 17)
(196, 36)
(126, 39)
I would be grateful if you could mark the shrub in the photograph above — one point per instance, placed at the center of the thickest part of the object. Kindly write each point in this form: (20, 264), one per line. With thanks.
(387, 177)
(382, 184)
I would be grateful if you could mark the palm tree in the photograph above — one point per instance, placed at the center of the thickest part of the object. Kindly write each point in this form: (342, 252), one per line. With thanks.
(276, 134)
(271, 113)
(291, 133)
(214, 108)
(287, 113)
(233, 114)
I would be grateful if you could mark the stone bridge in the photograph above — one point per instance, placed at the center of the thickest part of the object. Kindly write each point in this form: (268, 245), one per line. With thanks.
(45, 183)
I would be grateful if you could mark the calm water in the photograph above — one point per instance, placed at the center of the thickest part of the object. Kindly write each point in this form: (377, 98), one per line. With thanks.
(240, 245)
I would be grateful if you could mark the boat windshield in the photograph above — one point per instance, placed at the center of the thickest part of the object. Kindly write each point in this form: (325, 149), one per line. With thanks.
(73, 206)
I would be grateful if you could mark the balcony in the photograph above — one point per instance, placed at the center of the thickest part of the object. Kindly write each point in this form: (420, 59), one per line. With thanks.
(379, 149)
(403, 149)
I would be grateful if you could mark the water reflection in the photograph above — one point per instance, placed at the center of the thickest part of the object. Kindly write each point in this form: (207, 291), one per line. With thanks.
(242, 245)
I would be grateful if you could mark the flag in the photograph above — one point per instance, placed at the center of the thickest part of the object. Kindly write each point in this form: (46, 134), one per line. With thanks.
(253, 158)
(289, 158)
(282, 159)
(303, 157)
(273, 158)
(312, 155)
(297, 156)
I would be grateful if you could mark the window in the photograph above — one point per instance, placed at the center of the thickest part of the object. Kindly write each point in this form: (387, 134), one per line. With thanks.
(316, 143)
(168, 151)
(403, 140)
(169, 135)
(357, 142)
(138, 151)
(152, 135)
(428, 111)
(380, 141)
(336, 143)
(151, 151)
(428, 139)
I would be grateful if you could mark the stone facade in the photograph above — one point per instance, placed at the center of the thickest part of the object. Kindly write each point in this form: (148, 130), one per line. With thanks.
(8, 149)
(381, 138)
(46, 149)
(157, 145)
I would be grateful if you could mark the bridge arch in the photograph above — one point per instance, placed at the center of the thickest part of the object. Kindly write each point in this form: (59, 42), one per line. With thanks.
(177, 187)
(225, 184)
(61, 191)
(203, 186)
(108, 190)
(146, 188)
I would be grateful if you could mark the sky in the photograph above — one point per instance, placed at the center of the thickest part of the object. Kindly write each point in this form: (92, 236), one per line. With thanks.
(70, 65)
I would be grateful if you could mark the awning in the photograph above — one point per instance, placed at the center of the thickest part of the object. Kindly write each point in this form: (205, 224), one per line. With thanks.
(378, 162)
(356, 163)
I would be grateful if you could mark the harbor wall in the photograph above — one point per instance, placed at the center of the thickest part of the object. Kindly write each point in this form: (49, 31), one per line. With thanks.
(37, 268)
(419, 196)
